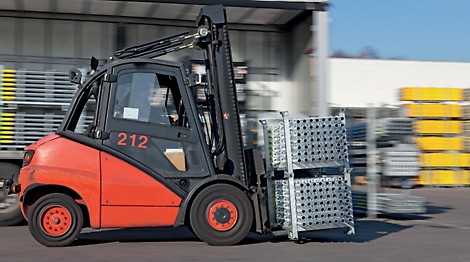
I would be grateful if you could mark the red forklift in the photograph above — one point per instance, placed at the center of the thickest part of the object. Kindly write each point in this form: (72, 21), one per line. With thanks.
(157, 155)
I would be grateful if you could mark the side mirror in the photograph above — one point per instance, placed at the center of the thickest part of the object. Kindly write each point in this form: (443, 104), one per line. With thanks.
(94, 63)
(75, 76)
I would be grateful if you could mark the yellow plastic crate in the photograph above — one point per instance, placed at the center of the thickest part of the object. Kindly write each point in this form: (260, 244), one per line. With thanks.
(440, 143)
(444, 177)
(448, 160)
(433, 110)
(431, 94)
(452, 127)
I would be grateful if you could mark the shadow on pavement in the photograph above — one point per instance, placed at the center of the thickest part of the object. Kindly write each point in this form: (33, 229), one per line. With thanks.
(366, 231)
(434, 210)
(135, 235)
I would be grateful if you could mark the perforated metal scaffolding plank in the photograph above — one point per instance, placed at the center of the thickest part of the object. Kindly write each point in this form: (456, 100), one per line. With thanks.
(315, 142)
(321, 203)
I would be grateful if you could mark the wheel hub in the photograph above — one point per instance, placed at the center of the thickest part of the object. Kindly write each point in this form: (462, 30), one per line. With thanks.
(222, 215)
(56, 221)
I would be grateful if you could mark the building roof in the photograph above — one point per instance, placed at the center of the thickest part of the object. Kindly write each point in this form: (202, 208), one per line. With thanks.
(245, 12)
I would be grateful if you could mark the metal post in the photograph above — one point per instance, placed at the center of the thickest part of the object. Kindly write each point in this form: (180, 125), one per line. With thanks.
(269, 175)
(293, 232)
(371, 163)
(320, 43)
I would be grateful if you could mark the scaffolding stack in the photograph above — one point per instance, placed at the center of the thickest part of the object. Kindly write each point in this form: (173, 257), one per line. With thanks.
(32, 105)
(398, 158)
(466, 131)
(306, 197)
(391, 203)
(439, 115)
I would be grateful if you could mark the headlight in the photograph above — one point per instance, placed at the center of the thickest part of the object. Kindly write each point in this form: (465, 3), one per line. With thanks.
(28, 156)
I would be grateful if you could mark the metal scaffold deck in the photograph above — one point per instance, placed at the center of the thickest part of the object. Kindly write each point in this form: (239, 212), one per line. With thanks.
(311, 200)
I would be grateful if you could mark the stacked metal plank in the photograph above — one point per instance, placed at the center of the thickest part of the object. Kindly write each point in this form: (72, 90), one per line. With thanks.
(392, 203)
(32, 105)
(466, 132)
(398, 159)
(439, 127)
(314, 199)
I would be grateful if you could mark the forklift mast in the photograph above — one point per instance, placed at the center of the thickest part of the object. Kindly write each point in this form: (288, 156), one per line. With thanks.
(222, 93)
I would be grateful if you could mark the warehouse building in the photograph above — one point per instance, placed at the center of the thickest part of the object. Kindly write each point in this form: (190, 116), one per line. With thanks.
(271, 38)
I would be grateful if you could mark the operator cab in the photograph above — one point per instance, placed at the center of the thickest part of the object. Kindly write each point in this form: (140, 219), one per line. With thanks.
(143, 111)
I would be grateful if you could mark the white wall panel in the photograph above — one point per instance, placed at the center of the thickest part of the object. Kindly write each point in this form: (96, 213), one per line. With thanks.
(359, 82)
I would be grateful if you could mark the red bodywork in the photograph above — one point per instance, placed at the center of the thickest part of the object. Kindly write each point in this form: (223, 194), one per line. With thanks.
(115, 193)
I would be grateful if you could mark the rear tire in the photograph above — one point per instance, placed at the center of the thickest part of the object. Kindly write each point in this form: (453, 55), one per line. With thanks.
(55, 220)
(10, 211)
(221, 215)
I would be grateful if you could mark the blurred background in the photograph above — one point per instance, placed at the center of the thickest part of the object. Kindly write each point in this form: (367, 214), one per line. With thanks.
(400, 68)
(407, 114)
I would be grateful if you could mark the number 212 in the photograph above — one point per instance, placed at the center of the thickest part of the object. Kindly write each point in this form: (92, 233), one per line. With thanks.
(123, 140)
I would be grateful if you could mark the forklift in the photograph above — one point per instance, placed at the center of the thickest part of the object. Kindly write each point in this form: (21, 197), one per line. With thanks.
(157, 155)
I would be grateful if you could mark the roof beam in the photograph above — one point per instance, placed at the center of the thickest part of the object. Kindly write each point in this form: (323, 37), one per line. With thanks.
(152, 10)
(129, 20)
(294, 5)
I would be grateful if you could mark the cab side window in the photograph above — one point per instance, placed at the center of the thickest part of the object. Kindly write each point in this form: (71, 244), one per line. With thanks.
(149, 98)
(85, 117)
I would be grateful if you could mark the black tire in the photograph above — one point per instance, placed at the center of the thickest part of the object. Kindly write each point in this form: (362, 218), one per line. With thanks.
(10, 212)
(207, 199)
(70, 223)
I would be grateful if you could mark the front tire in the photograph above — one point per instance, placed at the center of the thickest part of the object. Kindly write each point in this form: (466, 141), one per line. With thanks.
(55, 220)
(221, 215)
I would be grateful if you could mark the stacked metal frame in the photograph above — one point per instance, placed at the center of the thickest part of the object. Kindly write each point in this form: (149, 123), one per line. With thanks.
(310, 200)
(32, 105)
(398, 157)
(466, 135)
(392, 203)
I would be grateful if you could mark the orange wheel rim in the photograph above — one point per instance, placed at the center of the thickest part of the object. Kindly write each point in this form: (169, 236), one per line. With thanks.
(56, 221)
(222, 215)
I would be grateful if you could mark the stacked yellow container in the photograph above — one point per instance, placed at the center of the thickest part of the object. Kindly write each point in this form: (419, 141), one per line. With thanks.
(440, 126)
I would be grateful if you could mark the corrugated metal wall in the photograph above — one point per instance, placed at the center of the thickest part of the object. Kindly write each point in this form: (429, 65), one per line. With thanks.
(40, 44)
(280, 79)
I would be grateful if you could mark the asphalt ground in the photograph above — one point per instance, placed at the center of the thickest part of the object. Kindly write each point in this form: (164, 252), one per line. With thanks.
(442, 234)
